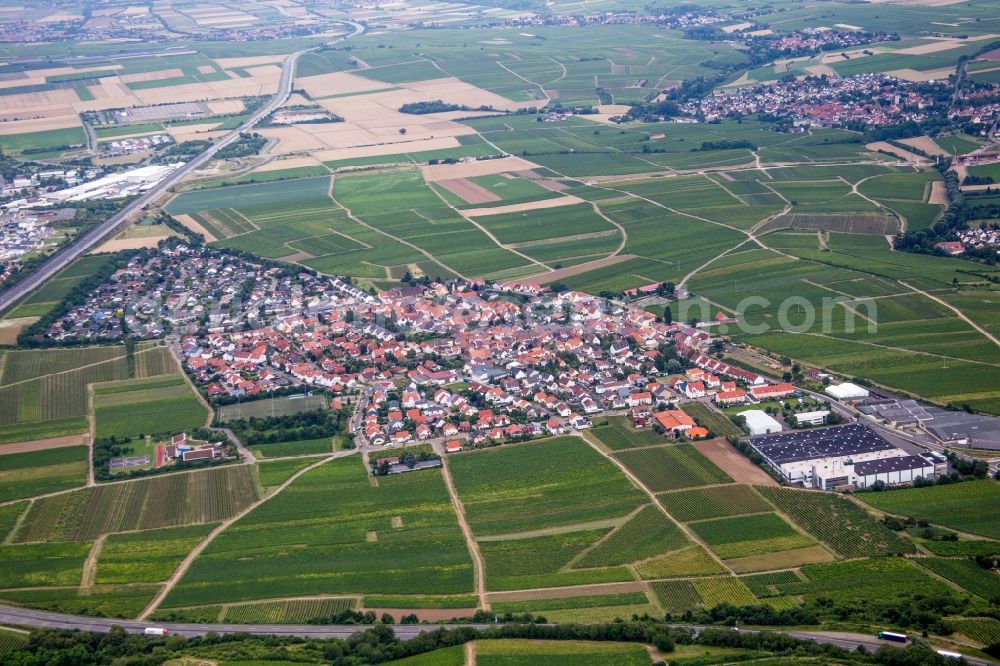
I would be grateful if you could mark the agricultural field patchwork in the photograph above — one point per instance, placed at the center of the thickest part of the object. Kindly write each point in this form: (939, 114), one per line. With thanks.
(329, 514)
(561, 481)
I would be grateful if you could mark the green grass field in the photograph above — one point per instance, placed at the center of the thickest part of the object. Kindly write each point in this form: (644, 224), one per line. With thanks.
(40, 472)
(157, 405)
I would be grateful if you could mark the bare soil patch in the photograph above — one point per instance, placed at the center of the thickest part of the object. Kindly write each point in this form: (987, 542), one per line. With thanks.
(567, 200)
(43, 444)
(733, 463)
(939, 194)
(298, 256)
(563, 273)
(554, 185)
(783, 560)
(468, 191)
(10, 328)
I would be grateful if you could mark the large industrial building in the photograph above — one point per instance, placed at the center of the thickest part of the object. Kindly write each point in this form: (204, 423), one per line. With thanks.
(844, 455)
(954, 429)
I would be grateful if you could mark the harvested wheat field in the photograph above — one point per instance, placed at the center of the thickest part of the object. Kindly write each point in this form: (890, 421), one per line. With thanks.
(925, 144)
(884, 146)
(290, 163)
(336, 83)
(158, 75)
(226, 106)
(385, 148)
(568, 200)
(195, 226)
(468, 191)
(918, 76)
(472, 168)
(38, 124)
(119, 244)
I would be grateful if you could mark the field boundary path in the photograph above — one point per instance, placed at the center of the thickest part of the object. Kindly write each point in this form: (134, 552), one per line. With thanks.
(656, 501)
(961, 315)
(189, 559)
(477, 559)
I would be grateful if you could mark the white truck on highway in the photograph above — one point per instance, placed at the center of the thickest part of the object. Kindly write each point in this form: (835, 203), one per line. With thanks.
(156, 631)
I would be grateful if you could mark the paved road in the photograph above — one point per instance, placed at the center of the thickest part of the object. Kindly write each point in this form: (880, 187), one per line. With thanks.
(98, 233)
(13, 616)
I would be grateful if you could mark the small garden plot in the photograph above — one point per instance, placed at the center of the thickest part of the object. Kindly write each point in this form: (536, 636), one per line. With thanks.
(720, 502)
(692, 560)
(646, 534)
(749, 535)
(677, 596)
(554, 482)
(618, 434)
(671, 467)
(728, 590)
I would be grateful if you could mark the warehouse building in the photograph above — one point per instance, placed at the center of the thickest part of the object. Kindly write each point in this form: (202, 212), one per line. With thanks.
(760, 422)
(843, 455)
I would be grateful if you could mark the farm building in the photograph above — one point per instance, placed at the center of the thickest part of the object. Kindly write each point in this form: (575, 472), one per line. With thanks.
(760, 422)
(847, 391)
(843, 455)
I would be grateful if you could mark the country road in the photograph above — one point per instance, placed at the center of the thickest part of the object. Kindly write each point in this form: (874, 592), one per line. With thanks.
(13, 616)
(94, 236)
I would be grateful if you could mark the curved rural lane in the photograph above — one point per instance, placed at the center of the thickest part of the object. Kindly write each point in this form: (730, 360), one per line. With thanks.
(91, 238)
